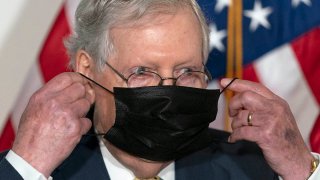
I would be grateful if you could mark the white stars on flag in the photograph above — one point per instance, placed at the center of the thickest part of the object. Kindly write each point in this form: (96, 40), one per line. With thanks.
(258, 16)
(296, 3)
(216, 38)
(221, 4)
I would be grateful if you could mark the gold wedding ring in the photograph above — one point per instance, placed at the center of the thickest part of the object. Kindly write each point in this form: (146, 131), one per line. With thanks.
(249, 119)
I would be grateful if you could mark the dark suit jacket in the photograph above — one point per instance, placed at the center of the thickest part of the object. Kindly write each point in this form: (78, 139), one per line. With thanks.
(222, 161)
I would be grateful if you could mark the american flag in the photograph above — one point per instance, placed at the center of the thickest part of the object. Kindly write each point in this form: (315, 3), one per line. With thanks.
(51, 60)
(279, 47)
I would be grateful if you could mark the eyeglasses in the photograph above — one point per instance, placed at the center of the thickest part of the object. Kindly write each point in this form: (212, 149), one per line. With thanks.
(142, 77)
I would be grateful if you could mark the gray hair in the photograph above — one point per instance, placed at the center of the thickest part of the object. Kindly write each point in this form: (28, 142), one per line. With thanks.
(95, 18)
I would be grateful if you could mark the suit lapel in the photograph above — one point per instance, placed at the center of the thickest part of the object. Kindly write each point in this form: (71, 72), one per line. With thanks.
(195, 166)
(84, 163)
(242, 160)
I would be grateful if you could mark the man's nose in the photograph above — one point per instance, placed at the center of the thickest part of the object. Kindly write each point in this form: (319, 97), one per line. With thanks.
(168, 81)
(167, 76)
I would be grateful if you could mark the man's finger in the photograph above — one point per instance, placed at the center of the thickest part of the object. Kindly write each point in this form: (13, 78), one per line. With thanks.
(242, 85)
(81, 107)
(90, 95)
(247, 118)
(63, 81)
(71, 93)
(249, 100)
(86, 125)
(240, 119)
(249, 133)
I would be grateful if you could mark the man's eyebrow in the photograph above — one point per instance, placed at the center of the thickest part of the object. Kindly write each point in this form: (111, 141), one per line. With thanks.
(191, 66)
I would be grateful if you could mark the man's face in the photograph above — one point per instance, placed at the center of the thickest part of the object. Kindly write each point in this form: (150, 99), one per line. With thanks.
(166, 44)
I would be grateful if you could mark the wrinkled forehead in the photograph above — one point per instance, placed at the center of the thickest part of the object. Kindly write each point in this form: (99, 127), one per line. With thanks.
(176, 37)
(95, 19)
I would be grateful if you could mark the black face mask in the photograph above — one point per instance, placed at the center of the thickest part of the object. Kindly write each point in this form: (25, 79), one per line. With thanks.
(162, 123)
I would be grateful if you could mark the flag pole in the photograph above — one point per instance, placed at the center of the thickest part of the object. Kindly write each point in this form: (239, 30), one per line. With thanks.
(234, 51)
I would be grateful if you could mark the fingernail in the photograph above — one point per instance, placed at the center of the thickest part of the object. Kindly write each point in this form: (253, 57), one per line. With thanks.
(229, 139)
(92, 95)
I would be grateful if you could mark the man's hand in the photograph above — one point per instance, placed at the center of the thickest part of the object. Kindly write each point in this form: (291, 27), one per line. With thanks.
(54, 121)
(273, 128)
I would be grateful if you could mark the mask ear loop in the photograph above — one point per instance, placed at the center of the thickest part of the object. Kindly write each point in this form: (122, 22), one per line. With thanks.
(228, 85)
(224, 141)
(96, 83)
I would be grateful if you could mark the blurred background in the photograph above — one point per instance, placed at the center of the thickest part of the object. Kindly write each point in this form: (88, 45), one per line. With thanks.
(276, 43)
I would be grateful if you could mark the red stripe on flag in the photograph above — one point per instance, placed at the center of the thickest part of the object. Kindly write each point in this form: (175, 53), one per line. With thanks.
(250, 74)
(52, 60)
(53, 57)
(315, 136)
(7, 136)
(307, 51)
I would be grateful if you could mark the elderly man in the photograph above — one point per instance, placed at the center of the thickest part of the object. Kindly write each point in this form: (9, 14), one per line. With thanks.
(141, 71)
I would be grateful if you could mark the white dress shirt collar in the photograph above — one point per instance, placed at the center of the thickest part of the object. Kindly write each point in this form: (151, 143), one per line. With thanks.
(117, 171)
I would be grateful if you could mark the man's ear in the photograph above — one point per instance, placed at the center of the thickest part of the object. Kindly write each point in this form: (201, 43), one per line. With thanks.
(84, 63)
